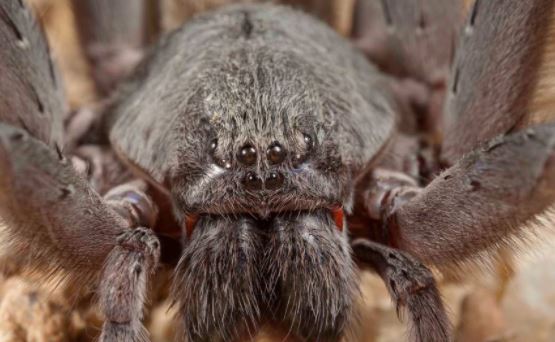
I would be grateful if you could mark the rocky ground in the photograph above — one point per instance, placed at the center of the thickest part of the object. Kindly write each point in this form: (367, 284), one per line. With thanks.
(514, 301)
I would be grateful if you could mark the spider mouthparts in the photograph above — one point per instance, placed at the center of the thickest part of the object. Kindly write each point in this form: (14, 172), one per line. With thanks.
(337, 214)
(190, 223)
(339, 217)
(264, 213)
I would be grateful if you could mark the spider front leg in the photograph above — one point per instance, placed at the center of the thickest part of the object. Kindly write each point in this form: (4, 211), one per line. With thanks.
(52, 219)
(482, 202)
(133, 260)
(131, 201)
(411, 285)
(123, 285)
(55, 221)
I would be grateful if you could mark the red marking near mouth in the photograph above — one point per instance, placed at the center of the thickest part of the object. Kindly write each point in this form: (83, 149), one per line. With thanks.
(190, 223)
(338, 216)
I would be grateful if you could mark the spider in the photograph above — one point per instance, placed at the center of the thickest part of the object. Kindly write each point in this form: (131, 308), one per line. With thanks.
(265, 157)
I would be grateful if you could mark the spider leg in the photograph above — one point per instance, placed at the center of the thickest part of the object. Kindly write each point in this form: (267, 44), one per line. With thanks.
(31, 93)
(494, 72)
(412, 286)
(414, 41)
(113, 34)
(52, 220)
(409, 38)
(101, 167)
(124, 278)
(123, 285)
(481, 73)
(55, 222)
(483, 201)
(131, 202)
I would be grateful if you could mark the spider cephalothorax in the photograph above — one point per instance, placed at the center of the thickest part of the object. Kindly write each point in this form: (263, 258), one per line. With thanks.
(254, 142)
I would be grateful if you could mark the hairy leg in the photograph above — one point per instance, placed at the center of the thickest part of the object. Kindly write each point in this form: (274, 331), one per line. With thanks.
(130, 264)
(31, 91)
(56, 222)
(414, 38)
(112, 45)
(123, 285)
(412, 287)
(480, 203)
(494, 72)
(52, 219)
(482, 70)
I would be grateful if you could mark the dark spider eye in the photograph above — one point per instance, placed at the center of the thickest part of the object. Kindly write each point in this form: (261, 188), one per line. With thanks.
(247, 155)
(213, 145)
(301, 156)
(221, 162)
(225, 163)
(252, 181)
(298, 159)
(274, 180)
(275, 153)
(308, 141)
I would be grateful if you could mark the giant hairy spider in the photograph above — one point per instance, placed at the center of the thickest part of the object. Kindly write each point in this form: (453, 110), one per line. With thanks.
(265, 149)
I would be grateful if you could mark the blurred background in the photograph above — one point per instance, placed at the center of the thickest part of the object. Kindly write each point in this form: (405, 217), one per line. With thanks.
(514, 300)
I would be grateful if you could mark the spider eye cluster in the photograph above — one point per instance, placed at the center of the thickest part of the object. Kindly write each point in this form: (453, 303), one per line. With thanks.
(248, 155)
